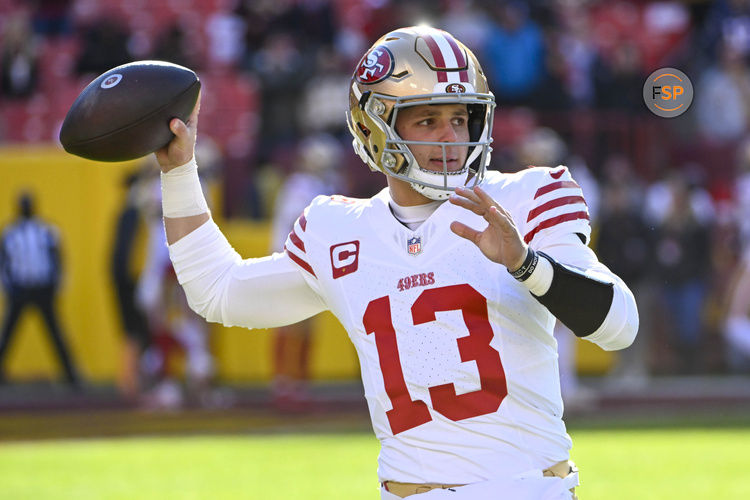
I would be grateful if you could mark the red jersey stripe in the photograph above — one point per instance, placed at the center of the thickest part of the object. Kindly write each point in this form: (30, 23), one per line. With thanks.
(557, 202)
(438, 56)
(553, 222)
(301, 263)
(302, 222)
(555, 185)
(297, 241)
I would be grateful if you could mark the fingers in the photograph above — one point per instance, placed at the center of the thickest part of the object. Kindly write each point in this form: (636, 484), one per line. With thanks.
(499, 218)
(178, 127)
(482, 195)
(479, 202)
(465, 203)
(467, 199)
(465, 231)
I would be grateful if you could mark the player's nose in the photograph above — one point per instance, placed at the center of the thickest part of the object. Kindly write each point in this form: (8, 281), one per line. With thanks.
(447, 132)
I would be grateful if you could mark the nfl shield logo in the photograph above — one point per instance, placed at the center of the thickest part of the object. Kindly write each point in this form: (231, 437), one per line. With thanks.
(415, 245)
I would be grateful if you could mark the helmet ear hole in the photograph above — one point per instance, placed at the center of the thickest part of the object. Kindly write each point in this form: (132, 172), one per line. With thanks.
(476, 121)
(365, 131)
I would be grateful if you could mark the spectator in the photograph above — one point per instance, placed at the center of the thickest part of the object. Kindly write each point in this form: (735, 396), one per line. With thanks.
(52, 17)
(514, 51)
(723, 101)
(30, 272)
(737, 326)
(467, 20)
(282, 71)
(324, 98)
(618, 79)
(226, 30)
(19, 61)
(681, 251)
(742, 191)
(572, 55)
(104, 46)
(624, 245)
(172, 46)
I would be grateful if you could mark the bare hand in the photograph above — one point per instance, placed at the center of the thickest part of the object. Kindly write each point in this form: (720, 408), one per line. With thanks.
(181, 148)
(500, 241)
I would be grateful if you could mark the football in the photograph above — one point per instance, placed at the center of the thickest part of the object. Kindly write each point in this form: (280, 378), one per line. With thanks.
(124, 113)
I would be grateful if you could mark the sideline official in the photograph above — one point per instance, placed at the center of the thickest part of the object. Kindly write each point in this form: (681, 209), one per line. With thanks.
(30, 273)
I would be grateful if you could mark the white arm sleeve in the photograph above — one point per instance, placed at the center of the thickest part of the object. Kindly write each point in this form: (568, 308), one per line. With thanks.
(620, 326)
(255, 293)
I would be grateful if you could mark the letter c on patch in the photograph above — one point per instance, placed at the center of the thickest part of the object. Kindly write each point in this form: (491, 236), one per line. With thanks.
(344, 258)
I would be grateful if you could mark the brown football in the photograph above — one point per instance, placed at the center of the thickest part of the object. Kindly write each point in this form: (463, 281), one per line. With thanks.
(124, 113)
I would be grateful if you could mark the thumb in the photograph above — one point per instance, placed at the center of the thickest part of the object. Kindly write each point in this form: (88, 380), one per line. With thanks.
(178, 127)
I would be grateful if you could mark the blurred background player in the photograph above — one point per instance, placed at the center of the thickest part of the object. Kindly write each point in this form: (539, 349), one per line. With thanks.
(175, 327)
(317, 158)
(30, 269)
(125, 276)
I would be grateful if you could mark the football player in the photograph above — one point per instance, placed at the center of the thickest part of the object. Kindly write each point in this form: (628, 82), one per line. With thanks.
(448, 281)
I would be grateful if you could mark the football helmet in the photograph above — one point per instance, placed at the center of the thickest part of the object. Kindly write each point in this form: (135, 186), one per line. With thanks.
(410, 67)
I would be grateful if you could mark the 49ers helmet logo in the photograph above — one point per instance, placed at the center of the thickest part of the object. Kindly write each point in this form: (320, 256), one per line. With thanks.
(455, 88)
(375, 66)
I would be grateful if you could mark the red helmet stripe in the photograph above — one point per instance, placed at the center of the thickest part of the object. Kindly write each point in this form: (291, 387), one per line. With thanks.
(460, 59)
(438, 56)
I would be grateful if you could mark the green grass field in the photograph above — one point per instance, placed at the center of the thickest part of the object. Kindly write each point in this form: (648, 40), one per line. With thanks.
(680, 463)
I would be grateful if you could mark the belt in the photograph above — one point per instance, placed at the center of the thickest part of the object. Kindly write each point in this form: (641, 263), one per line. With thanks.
(403, 490)
(560, 469)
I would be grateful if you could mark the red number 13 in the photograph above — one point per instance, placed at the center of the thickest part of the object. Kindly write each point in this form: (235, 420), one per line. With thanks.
(407, 413)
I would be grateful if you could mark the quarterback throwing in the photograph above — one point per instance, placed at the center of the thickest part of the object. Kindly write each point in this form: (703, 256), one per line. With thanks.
(448, 281)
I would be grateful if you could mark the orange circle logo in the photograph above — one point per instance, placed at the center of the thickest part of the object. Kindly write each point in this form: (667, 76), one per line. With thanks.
(668, 92)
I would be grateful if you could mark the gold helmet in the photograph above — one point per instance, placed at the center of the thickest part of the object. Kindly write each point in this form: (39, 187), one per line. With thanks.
(409, 67)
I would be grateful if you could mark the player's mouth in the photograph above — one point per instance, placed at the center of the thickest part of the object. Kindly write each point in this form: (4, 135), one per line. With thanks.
(452, 164)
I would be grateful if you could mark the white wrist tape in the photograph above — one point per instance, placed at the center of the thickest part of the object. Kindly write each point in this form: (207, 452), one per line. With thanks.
(541, 279)
(181, 192)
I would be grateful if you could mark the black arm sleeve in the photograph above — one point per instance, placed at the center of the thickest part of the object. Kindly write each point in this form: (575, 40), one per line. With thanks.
(580, 302)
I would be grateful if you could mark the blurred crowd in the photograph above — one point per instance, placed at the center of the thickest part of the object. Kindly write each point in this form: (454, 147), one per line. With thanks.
(669, 198)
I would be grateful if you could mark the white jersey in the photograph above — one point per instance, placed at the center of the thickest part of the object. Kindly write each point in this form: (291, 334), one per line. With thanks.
(458, 359)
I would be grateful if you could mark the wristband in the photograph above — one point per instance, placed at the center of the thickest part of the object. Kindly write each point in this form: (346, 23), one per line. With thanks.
(528, 266)
(181, 192)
